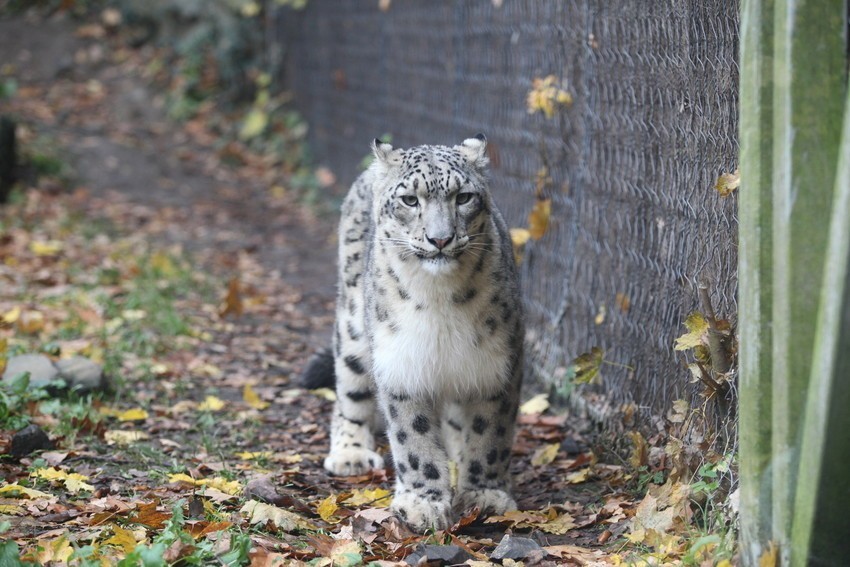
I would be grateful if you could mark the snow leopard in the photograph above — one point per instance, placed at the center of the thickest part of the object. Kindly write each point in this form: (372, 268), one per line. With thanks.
(428, 339)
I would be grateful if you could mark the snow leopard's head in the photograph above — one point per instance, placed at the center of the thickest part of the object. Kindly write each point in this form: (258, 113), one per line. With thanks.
(431, 203)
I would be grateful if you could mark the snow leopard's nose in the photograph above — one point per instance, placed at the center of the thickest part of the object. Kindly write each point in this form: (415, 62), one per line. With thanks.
(440, 243)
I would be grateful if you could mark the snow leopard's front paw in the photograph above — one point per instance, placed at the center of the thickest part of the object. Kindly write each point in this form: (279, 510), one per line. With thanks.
(352, 462)
(421, 513)
(488, 500)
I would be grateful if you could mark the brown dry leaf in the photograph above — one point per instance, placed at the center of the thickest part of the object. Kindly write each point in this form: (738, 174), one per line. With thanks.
(232, 304)
(549, 520)
(579, 476)
(57, 550)
(31, 322)
(535, 405)
(148, 515)
(584, 369)
(679, 411)
(623, 302)
(663, 509)
(538, 218)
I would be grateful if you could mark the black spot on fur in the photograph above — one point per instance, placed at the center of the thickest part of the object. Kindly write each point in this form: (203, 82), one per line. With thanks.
(503, 456)
(479, 424)
(402, 397)
(413, 460)
(492, 456)
(430, 471)
(475, 468)
(403, 294)
(354, 364)
(401, 436)
(501, 430)
(461, 298)
(421, 424)
(393, 411)
(402, 468)
(359, 395)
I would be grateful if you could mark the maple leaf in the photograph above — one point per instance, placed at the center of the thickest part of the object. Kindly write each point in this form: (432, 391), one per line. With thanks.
(327, 508)
(122, 538)
(663, 508)
(549, 520)
(252, 399)
(697, 327)
(233, 304)
(640, 449)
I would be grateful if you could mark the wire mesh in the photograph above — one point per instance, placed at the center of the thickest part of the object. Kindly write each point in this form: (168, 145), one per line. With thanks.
(635, 222)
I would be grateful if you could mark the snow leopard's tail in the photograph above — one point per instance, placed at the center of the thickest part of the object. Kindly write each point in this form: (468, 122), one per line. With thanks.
(319, 371)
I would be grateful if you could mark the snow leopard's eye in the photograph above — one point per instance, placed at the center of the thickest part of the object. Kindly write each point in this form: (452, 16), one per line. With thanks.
(410, 200)
(463, 198)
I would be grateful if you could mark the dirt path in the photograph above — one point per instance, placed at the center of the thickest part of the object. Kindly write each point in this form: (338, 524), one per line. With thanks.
(167, 184)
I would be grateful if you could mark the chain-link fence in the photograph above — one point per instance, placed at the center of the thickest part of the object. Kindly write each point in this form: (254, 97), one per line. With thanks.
(635, 222)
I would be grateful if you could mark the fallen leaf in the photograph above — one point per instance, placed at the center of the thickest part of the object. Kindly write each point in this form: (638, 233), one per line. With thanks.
(122, 538)
(727, 183)
(254, 124)
(547, 96)
(252, 399)
(545, 454)
(697, 332)
(537, 404)
(325, 393)
(45, 247)
(122, 437)
(284, 520)
(135, 414)
(579, 476)
(56, 551)
(327, 508)
(31, 322)
(679, 412)
(251, 455)
(519, 236)
(375, 497)
(11, 315)
(640, 449)
(538, 218)
(232, 304)
(584, 369)
(211, 403)
(74, 482)
(346, 553)
(16, 490)
(549, 520)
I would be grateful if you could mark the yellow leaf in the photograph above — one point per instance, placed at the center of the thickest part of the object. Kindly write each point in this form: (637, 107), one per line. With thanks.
(74, 482)
(122, 538)
(122, 437)
(254, 124)
(325, 393)
(548, 520)
(538, 218)
(519, 236)
(375, 497)
(162, 262)
(584, 369)
(31, 322)
(211, 403)
(14, 490)
(251, 455)
(252, 399)
(46, 247)
(545, 454)
(579, 477)
(327, 508)
(284, 520)
(232, 487)
(696, 336)
(12, 315)
(770, 556)
(537, 404)
(135, 414)
(727, 183)
(4, 345)
(11, 510)
(547, 96)
(57, 550)
(640, 450)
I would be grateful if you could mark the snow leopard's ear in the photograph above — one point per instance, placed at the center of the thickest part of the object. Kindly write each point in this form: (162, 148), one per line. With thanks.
(475, 150)
(385, 154)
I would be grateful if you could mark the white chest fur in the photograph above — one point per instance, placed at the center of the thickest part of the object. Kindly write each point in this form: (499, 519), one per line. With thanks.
(439, 349)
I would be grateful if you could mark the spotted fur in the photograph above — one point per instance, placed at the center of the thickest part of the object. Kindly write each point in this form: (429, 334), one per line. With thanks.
(428, 329)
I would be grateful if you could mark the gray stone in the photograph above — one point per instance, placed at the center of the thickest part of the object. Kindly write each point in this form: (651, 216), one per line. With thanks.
(81, 374)
(515, 548)
(30, 438)
(438, 554)
(40, 367)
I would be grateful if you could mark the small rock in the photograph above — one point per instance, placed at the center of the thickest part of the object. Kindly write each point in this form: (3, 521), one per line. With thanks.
(439, 554)
(515, 548)
(30, 438)
(41, 369)
(81, 374)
